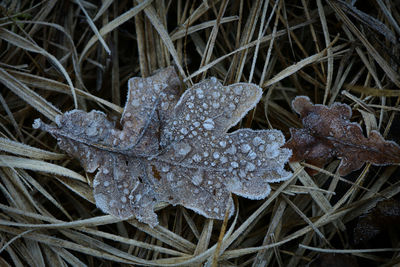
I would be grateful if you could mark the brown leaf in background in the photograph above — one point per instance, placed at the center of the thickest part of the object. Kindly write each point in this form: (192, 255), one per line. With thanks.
(383, 217)
(328, 134)
(174, 150)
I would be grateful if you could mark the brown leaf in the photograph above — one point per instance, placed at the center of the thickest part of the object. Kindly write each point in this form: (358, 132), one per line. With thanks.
(328, 134)
(383, 217)
(174, 151)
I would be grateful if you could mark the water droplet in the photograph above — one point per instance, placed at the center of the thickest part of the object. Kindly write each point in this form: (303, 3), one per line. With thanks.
(124, 199)
(105, 171)
(216, 155)
(208, 124)
(106, 183)
(196, 124)
(216, 210)
(126, 191)
(190, 105)
(222, 144)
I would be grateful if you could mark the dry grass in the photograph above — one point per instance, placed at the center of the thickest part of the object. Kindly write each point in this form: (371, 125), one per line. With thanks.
(60, 55)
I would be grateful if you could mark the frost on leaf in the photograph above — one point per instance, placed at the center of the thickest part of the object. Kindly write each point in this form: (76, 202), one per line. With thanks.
(328, 133)
(174, 150)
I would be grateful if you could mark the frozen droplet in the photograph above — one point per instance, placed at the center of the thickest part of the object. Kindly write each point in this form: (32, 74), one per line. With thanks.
(250, 167)
(222, 144)
(138, 197)
(232, 106)
(135, 103)
(272, 150)
(164, 105)
(216, 210)
(91, 130)
(196, 124)
(184, 131)
(190, 105)
(258, 141)
(224, 159)
(187, 117)
(165, 168)
(124, 199)
(216, 94)
(232, 150)
(208, 124)
(126, 191)
(234, 164)
(128, 114)
(197, 178)
(213, 80)
(261, 148)
(216, 155)
(238, 89)
(205, 154)
(106, 183)
(252, 155)
(182, 148)
(105, 171)
(196, 157)
(215, 105)
(245, 148)
(170, 176)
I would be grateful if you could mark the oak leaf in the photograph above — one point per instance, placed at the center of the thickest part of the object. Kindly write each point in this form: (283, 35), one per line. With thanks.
(174, 150)
(328, 134)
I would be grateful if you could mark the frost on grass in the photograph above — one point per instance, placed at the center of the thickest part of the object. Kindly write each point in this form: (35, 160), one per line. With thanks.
(328, 133)
(174, 150)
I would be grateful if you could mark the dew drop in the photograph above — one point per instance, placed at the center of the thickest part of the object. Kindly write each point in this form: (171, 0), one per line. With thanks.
(216, 155)
(106, 183)
(124, 199)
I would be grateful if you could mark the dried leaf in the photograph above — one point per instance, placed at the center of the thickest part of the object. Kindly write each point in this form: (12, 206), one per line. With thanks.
(174, 151)
(328, 133)
(385, 216)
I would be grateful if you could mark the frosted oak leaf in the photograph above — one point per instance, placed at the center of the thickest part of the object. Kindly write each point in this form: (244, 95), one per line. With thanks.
(174, 150)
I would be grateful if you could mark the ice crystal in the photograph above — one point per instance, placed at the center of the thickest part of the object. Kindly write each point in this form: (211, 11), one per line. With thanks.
(174, 150)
